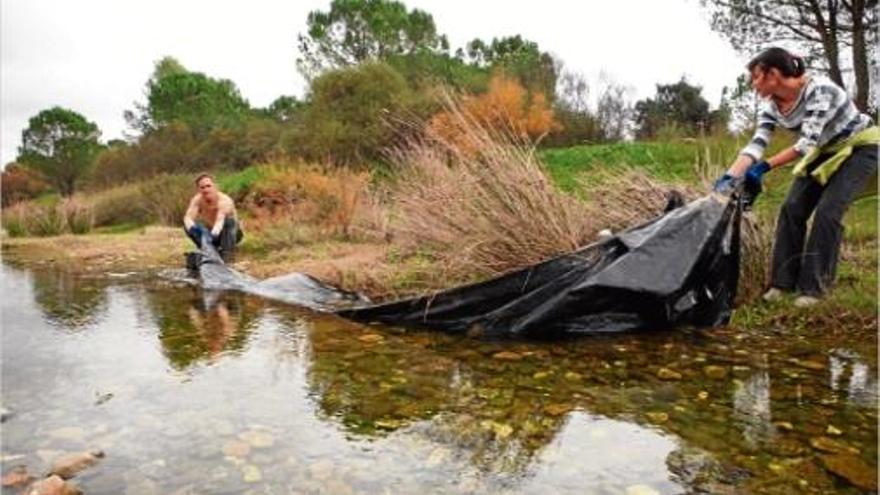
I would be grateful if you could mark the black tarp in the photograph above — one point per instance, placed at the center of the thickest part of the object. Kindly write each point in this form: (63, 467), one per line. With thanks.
(680, 268)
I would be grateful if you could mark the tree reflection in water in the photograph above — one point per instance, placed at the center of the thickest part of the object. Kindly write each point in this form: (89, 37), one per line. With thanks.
(71, 302)
(500, 404)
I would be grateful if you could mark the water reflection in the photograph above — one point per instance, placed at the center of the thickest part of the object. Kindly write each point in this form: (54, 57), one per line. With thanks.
(316, 404)
(202, 325)
(852, 378)
(751, 408)
(68, 301)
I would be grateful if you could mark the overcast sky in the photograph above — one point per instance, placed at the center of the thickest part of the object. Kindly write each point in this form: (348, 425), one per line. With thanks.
(94, 56)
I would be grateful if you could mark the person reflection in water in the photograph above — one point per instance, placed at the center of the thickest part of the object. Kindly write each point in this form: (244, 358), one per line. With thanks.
(215, 325)
(210, 207)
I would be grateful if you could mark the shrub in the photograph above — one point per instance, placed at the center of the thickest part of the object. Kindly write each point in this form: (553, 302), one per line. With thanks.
(19, 184)
(14, 221)
(119, 205)
(289, 197)
(506, 106)
(78, 216)
(166, 197)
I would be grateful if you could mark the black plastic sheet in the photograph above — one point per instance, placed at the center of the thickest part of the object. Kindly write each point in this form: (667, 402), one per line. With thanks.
(679, 269)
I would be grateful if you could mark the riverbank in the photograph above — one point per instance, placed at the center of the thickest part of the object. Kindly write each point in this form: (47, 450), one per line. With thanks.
(153, 248)
(375, 269)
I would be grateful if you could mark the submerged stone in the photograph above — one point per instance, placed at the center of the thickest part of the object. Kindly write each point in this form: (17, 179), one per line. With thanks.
(371, 338)
(257, 439)
(67, 466)
(715, 372)
(53, 485)
(831, 446)
(853, 469)
(236, 448)
(251, 474)
(507, 356)
(557, 409)
(810, 365)
(668, 374)
(657, 417)
(18, 476)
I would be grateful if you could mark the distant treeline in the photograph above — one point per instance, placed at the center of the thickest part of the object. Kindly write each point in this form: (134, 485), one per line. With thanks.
(373, 68)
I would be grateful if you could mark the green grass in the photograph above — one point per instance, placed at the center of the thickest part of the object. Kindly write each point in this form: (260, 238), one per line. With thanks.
(238, 184)
(48, 199)
(854, 296)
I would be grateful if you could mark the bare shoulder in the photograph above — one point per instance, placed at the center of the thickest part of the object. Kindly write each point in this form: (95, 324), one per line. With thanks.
(226, 203)
(195, 200)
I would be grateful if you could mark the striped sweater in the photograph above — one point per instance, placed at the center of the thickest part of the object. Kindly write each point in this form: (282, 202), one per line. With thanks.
(822, 115)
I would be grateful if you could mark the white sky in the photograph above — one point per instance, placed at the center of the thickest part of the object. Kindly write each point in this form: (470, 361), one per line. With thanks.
(94, 56)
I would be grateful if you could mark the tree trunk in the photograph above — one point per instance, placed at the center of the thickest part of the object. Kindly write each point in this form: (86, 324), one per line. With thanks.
(828, 32)
(860, 55)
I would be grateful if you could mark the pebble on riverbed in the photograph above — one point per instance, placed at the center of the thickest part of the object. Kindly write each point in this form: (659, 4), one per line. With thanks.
(18, 476)
(68, 465)
(53, 485)
(668, 374)
(852, 469)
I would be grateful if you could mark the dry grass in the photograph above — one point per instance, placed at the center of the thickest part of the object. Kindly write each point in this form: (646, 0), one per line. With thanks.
(480, 213)
(70, 215)
(622, 197)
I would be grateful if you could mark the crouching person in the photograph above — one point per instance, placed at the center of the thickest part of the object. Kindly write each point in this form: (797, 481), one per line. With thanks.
(212, 213)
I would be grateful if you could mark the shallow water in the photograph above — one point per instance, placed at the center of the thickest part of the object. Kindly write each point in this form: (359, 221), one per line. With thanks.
(194, 392)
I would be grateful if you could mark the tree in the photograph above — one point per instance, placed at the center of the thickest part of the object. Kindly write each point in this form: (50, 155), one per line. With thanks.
(61, 145)
(347, 119)
(614, 110)
(679, 105)
(199, 101)
(822, 29)
(516, 57)
(355, 31)
(741, 102)
(426, 70)
(578, 123)
(283, 109)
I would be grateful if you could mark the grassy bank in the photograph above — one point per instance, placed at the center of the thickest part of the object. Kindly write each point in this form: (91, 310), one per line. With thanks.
(340, 226)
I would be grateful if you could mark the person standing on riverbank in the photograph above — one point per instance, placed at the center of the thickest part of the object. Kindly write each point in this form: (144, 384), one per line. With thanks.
(836, 152)
(211, 207)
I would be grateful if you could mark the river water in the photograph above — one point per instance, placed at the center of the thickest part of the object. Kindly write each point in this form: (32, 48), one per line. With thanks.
(193, 392)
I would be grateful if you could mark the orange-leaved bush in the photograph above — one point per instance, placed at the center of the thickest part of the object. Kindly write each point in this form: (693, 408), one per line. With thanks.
(506, 107)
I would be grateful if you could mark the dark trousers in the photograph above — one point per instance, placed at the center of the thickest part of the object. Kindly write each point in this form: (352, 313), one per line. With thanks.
(225, 243)
(810, 269)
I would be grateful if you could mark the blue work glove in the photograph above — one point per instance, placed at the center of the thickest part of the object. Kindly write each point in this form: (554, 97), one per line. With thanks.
(724, 185)
(752, 187)
(756, 172)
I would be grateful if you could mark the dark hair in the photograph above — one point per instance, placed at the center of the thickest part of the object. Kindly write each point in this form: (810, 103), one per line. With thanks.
(202, 176)
(780, 59)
